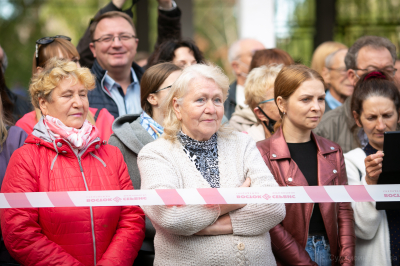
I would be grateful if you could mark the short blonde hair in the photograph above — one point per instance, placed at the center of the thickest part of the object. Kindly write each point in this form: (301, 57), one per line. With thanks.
(56, 70)
(181, 88)
(258, 82)
(322, 51)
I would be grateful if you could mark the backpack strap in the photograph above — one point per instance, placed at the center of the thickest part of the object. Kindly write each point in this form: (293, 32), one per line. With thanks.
(96, 114)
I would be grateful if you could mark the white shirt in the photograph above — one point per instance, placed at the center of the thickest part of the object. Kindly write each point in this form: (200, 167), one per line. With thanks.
(240, 96)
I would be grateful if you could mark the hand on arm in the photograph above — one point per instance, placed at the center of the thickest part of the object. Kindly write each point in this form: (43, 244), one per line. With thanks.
(223, 225)
(373, 167)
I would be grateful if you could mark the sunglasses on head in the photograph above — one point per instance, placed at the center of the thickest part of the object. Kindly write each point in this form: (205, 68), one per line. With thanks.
(47, 40)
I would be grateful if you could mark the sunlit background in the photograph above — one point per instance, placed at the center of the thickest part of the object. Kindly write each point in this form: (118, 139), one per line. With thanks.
(213, 24)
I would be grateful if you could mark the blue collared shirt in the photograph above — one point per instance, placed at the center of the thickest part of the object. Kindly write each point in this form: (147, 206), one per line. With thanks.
(332, 102)
(128, 103)
(151, 126)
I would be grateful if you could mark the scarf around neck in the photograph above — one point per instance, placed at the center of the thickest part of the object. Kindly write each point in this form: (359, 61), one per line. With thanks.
(204, 154)
(78, 138)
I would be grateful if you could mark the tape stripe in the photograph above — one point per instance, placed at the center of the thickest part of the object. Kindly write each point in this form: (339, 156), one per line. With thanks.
(60, 199)
(211, 196)
(317, 194)
(170, 197)
(17, 200)
(358, 193)
(264, 195)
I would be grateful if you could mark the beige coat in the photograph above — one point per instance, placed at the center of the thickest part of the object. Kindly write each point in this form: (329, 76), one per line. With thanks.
(242, 119)
(164, 165)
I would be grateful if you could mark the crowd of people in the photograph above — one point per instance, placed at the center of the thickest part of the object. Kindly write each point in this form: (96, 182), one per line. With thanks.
(97, 120)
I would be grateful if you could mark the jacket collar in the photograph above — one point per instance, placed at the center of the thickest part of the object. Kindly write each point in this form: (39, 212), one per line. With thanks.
(326, 169)
(40, 136)
(99, 72)
(280, 149)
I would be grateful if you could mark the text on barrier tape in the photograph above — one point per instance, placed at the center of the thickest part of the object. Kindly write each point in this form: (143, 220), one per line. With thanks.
(306, 194)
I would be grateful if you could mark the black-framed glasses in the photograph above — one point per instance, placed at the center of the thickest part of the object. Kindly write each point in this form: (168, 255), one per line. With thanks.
(390, 70)
(163, 89)
(111, 38)
(47, 40)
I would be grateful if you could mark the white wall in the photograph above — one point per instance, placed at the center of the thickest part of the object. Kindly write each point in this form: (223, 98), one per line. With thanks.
(256, 20)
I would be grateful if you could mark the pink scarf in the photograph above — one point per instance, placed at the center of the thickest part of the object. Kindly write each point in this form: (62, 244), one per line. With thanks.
(78, 138)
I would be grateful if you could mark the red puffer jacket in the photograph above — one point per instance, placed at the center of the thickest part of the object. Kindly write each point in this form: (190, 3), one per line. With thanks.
(70, 236)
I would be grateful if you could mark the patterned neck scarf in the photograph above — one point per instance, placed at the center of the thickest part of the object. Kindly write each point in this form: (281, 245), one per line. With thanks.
(204, 154)
(78, 138)
(151, 126)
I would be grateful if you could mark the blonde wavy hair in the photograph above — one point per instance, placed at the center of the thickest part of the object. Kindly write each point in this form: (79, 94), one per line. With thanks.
(258, 82)
(182, 87)
(56, 70)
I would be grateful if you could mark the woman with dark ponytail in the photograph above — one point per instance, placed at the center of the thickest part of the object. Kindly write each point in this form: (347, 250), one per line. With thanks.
(311, 234)
(375, 106)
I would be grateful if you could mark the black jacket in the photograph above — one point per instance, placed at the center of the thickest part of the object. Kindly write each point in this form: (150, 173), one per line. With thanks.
(98, 97)
(22, 106)
(230, 103)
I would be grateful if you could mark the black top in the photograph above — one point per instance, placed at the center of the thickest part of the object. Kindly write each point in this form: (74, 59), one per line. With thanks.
(305, 156)
(393, 217)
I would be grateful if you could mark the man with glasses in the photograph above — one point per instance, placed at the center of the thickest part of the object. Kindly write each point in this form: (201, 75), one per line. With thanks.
(240, 55)
(113, 43)
(335, 76)
(367, 54)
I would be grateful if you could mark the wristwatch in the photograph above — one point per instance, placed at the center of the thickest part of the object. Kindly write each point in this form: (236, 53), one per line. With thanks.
(169, 9)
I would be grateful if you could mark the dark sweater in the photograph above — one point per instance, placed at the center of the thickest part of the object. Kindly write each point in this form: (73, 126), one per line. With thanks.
(305, 156)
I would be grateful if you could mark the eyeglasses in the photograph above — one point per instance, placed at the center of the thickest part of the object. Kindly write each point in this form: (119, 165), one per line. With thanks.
(266, 101)
(111, 38)
(163, 89)
(47, 40)
(390, 70)
(341, 70)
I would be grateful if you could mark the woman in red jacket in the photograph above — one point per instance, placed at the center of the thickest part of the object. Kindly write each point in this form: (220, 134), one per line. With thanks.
(311, 234)
(65, 153)
(61, 47)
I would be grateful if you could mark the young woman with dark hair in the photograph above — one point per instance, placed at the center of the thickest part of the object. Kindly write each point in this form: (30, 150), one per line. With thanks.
(133, 132)
(311, 234)
(182, 53)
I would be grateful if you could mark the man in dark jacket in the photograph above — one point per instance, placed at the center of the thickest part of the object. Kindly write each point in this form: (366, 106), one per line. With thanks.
(367, 54)
(113, 42)
(240, 55)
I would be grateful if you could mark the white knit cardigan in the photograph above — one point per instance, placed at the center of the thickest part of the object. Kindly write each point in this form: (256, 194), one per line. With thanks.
(164, 165)
(371, 225)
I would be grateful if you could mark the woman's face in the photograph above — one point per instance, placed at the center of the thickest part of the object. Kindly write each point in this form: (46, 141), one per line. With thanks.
(305, 107)
(69, 103)
(378, 115)
(201, 109)
(270, 108)
(156, 99)
(183, 57)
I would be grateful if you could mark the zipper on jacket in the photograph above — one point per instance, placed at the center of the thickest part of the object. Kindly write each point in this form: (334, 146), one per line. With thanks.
(87, 189)
(91, 211)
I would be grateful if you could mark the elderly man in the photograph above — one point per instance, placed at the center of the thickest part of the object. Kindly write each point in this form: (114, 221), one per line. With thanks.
(113, 43)
(335, 76)
(368, 53)
(240, 55)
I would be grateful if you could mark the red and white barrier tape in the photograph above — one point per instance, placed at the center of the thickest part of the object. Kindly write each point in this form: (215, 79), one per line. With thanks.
(201, 196)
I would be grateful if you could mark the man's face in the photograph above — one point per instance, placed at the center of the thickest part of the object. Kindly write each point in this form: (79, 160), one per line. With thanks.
(117, 53)
(370, 59)
(337, 77)
(247, 48)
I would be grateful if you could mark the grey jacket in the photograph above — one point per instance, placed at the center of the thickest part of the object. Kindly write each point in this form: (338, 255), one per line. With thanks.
(336, 126)
(130, 137)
